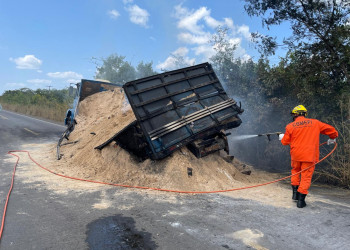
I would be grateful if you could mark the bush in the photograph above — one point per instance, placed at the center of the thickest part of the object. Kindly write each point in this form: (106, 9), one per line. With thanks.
(337, 171)
(47, 104)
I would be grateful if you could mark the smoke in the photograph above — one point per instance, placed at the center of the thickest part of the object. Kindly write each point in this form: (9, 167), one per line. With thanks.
(126, 105)
(260, 117)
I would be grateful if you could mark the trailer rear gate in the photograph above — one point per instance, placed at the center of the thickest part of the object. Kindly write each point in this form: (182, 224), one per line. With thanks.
(175, 107)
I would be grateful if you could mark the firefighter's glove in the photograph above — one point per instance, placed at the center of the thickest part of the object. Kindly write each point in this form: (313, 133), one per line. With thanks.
(280, 136)
(330, 141)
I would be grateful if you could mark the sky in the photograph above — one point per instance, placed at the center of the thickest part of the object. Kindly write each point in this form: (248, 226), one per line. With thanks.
(51, 44)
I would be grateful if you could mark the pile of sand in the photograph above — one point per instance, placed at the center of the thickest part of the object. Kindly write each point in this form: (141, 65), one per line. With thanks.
(104, 114)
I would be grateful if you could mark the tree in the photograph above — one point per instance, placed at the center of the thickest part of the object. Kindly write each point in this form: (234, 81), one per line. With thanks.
(178, 60)
(240, 77)
(315, 70)
(321, 29)
(145, 69)
(224, 57)
(115, 69)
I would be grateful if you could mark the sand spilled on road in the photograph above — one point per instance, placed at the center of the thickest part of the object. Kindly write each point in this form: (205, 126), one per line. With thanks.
(28, 172)
(104, 114)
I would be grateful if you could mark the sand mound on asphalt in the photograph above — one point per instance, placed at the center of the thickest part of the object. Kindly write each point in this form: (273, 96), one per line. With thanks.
(104, 114)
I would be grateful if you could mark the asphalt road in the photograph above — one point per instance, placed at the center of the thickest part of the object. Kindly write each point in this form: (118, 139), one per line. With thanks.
(39, 218)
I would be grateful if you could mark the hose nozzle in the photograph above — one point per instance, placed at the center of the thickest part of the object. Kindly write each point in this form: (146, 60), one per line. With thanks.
(269, 135)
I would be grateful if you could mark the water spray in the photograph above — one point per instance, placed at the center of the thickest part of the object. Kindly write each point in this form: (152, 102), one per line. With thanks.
(244, 137)
(269, 135)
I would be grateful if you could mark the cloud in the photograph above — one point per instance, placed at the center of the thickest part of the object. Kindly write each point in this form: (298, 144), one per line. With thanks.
(65, 75)
(244, 31)
(195, 21)
(27, 62)
(188, 20)
(182, 51)
(206, 51)
(212, 23)
(15, 85)
(114, 14)
(229, 22)
(39, 81)
(194, 39)
(73, 81)
(138, 16)
(196, 28)
(235, 41)
(245, 58)
(128, 1)
(177, 59)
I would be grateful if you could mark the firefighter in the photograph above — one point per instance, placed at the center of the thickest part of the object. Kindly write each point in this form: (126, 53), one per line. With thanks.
(303, 137)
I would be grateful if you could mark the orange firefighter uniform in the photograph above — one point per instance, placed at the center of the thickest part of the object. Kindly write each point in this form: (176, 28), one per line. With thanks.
(303, 136)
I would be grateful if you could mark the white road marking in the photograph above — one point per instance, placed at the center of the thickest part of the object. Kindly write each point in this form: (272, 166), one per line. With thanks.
(31, 131)
(34, 118)
(3, 117)
(332, 202)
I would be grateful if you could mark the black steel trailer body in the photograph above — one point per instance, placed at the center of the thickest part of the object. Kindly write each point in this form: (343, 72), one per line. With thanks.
(182, 107)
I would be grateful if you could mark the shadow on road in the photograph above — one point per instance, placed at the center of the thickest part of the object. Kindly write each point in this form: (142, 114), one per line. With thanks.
(117, 232)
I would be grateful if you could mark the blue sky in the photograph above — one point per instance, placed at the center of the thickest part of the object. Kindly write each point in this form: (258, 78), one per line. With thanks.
(52, 43)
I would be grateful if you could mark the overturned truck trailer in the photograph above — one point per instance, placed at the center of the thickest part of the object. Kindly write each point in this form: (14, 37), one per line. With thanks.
(182, 107)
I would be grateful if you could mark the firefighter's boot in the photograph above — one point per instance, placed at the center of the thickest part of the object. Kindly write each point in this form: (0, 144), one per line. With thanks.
(295, 193)
(301, 201)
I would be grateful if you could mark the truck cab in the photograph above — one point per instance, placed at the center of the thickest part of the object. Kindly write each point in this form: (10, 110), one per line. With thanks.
(84, 89)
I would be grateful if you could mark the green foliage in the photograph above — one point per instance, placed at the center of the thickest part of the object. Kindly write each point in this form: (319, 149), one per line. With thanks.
(321, 31)
(50, 104)
(316, 69)
(115, 69)
(313, 73)
(224, 57)
(145, 69)
(27, 96)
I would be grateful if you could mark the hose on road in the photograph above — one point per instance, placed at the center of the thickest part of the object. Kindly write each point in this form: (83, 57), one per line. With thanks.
(140, 187)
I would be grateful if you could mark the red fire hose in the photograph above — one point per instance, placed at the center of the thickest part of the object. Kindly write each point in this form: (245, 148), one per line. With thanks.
(140, 187)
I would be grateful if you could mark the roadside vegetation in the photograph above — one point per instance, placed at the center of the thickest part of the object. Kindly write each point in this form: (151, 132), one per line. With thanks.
(314, 72)
(48, 104)
(53, 104)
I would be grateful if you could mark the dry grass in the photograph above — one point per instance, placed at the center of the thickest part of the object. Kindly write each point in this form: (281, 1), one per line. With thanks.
(54, 113)
(338, 170)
